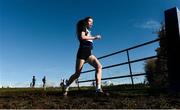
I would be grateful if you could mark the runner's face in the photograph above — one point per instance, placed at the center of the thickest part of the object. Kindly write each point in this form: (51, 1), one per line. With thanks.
(90, 23)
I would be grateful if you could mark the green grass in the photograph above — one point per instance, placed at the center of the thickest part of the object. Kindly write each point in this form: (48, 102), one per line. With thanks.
(124, 96)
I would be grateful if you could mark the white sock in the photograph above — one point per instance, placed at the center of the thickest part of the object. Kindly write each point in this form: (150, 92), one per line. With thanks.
(98, 86)
(66, 88)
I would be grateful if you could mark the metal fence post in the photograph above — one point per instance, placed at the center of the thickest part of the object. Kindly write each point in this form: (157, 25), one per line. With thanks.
(172, 23)
(130, 67)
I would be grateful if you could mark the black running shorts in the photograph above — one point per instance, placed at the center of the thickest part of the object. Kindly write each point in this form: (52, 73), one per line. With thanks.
(84, 53)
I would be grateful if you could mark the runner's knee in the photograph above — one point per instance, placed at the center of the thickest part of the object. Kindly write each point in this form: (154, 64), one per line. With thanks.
(99, 67)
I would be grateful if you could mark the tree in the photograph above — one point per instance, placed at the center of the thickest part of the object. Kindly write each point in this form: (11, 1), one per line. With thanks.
(161, 63)
(156, 69)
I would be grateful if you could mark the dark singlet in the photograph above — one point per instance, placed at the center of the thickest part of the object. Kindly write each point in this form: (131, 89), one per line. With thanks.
(85, 48)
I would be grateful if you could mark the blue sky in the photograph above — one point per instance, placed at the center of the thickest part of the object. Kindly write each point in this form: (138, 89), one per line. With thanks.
(37, 37)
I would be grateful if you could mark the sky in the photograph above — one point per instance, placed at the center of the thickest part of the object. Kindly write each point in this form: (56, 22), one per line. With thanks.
(37, 37)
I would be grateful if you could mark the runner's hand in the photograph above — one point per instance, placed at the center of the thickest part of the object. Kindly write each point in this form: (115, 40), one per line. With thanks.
(98, 37)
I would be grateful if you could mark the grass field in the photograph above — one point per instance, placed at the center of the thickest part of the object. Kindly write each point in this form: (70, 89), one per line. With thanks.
(120, 97)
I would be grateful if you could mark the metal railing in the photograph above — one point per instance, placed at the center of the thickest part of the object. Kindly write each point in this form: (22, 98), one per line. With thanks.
(129, 62)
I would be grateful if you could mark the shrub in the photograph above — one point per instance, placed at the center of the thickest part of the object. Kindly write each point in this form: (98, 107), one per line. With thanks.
(156, 69)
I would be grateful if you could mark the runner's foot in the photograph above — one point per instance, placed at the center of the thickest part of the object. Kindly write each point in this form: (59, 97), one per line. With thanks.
(65, 91)
(101, 92)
